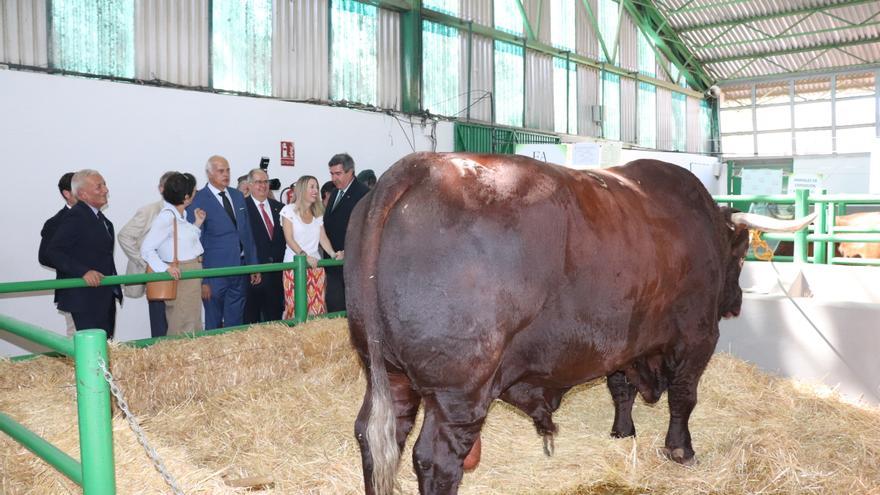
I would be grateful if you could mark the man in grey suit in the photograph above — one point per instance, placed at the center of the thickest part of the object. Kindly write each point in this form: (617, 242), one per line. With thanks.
(130, 239)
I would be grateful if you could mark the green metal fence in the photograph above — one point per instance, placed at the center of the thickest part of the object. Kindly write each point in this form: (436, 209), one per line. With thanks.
(824, 234)
(95, 472)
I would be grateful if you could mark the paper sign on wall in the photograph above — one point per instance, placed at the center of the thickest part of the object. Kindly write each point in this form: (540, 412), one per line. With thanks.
(762, 181)
(287, 154)
(811, 182)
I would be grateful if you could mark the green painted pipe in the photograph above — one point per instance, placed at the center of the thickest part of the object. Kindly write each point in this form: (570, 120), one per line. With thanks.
(819, 248)
(300, 306)
(65, 464)
(37, 334)
(801, 209)
(93, 408)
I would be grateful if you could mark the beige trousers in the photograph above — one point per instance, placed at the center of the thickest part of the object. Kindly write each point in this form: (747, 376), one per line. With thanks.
(184, 314)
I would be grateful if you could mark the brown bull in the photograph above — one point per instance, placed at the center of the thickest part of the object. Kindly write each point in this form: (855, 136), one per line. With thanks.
(865, 220)
(477, 277)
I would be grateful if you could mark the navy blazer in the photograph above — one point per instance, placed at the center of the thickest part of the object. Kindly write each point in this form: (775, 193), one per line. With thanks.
(223, 240)
(268, 250)
(336, 221)
(82, 243)
(46, 235)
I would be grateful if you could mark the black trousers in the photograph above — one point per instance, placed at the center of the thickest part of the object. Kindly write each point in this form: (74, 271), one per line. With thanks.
(265, 301)
(158, 322)
(335, 295)
(90, 320)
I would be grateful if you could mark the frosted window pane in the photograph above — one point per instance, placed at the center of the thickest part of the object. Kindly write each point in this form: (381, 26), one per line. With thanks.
(611, 104)
(241, 46)
(736, 120)
(647, 58)
(94, 37)
(857, 140)
(647, 114)
(508, 84)
(679, 122)
(353, 59)
(772, 118)
(742, 145)
(562, 18)
(508, 17)
(450, 7)
(440, 67)
(858, 111)
(813, 142)
(816, 114)
(774, 144)
(564, 107)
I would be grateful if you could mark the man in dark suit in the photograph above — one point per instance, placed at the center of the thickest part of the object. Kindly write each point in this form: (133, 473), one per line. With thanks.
(348, 192)
(227, 239)
(82, 246)
(48, 232)
(265, 301)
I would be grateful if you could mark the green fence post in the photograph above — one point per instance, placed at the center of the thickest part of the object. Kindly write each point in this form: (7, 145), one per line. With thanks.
(93, 405)
(300, 304)
(801, 209)
(821, 228)
(831, 221)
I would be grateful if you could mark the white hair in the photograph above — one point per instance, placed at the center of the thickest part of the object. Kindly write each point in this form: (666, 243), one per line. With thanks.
(209, 167)
(255, 171)
(79, 179)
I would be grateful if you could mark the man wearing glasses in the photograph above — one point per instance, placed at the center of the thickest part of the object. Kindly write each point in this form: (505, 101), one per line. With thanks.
(265, 300)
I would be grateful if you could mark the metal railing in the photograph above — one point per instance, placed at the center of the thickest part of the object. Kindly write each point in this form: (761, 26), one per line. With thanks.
(825, 234)
(95, 472)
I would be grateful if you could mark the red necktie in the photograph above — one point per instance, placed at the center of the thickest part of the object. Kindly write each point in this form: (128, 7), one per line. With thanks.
(266, 220)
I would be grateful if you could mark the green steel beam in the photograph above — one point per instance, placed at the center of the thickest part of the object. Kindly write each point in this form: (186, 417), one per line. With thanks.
(655, 25)
(525, 17)
(773, 15)
(697, 8)
(711, 45)
(489, 32)
(595, 23)
(731, 81)
(93, 413)
(411, 58)
(788, 51)
(395, 5)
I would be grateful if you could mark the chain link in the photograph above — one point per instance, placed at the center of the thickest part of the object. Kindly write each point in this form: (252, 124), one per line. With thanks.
(138, 431)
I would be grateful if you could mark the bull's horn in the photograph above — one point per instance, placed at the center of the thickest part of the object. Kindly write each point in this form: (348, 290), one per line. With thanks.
(770, 224)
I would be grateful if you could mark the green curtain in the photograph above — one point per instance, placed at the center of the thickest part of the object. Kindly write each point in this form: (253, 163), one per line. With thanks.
(564, 107)
(647, 115)
(611, 104)
(508, 84)
(241, 46)
(353, 57)
(679, 122)
(440, 67)
(93, 37)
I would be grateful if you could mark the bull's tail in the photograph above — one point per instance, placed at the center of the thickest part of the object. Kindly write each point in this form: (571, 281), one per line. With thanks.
(381, 428)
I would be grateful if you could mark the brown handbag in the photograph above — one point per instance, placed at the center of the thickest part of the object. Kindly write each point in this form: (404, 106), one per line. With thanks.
(164, 290)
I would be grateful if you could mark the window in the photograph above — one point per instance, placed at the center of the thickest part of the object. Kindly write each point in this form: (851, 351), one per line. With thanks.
(679, 122)
(440, 61)
(773, 118)
(739, 120)
(95, 37)
(450, 7)
(647, 115)
(564, 96)
(508, 84)
(508, 17)
(562, 17)
(857, 111)
(353, 59)
(607, 20)
(647, 58)
(611, 106)
(738, 145)
(813, 142)
(855, 140)
(774, 144)
(241, 45)
(817, 114)
(677, 76)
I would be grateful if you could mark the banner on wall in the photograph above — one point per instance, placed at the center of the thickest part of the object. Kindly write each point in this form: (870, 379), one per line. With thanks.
(287, 154)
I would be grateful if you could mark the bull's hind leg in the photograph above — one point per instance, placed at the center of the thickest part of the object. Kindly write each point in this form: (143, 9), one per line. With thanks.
(406, 406)
(682, 397)
(451, 426)
(624, 395)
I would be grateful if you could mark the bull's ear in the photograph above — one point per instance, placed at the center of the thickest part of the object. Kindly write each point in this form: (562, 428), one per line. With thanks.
(739, 242)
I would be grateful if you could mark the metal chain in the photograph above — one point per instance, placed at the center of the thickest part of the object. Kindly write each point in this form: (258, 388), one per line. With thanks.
(138, 431)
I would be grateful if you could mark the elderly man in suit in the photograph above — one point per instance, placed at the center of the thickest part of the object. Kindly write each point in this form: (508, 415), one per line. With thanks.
(228, 241)
(83, 247)
(130, 238)
(348, 192)
(48, 232)
(265, 301)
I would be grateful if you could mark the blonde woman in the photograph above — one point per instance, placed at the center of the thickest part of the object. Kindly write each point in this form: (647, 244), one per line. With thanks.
(303, 224)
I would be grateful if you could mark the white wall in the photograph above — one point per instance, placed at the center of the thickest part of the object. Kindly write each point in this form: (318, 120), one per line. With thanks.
(841, 174)
(132, 134)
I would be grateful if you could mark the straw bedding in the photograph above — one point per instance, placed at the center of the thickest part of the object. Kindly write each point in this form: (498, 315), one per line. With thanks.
(275, 406)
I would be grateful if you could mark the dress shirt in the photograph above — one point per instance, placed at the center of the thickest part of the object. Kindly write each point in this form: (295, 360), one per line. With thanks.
(216, 192)
(158, 246)
(339, 195)
(268, 208)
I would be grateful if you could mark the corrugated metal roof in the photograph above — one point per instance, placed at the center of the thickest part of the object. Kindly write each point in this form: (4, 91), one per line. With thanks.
(741, 39)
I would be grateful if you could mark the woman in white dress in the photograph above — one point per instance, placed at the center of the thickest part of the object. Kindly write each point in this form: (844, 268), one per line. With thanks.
(303, 224)
(184, 313)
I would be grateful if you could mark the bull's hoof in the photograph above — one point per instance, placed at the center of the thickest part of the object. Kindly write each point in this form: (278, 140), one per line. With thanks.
(623, 434)
(473, 458)
(680, 456)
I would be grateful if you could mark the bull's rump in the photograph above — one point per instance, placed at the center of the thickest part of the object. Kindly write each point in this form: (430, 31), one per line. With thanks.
(483, 259)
